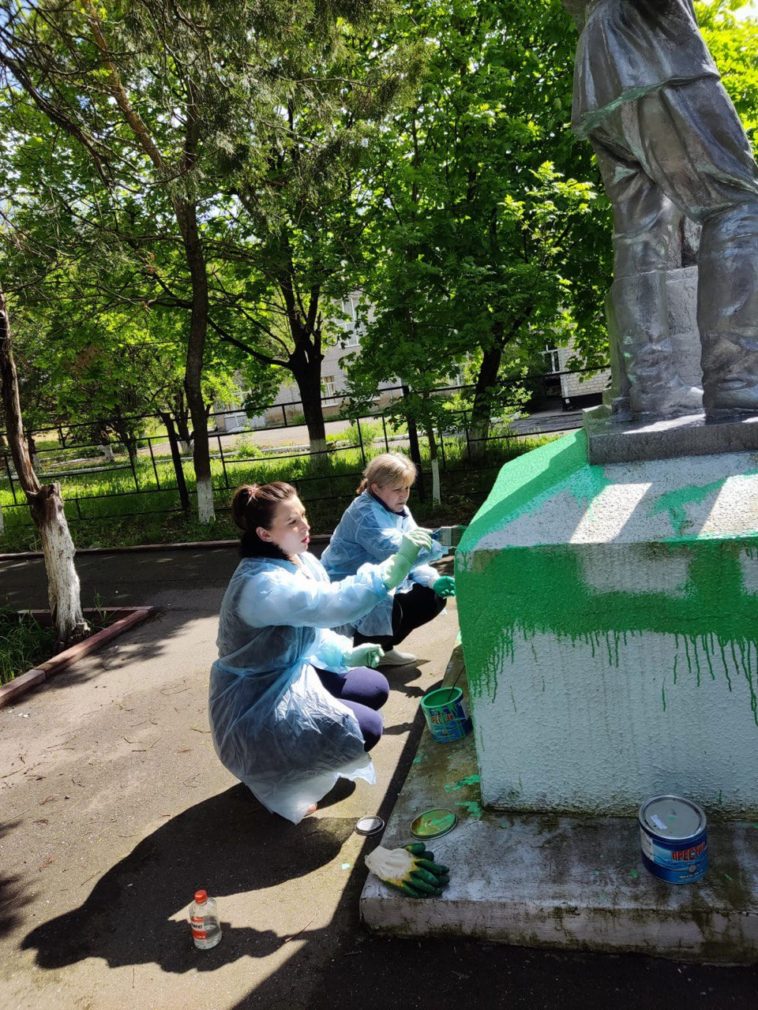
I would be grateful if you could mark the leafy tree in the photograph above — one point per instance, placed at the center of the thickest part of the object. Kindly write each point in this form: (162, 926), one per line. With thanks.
(477, 200)
(45, 504)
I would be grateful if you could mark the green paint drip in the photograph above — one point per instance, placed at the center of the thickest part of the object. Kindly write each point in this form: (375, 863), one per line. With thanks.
(473, 808)
(525, 591)
(712, 614)
(470, 780)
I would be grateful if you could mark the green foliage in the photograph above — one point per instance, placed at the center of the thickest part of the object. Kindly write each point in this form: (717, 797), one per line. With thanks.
(734, 46)
(23, 643)
(474, 206)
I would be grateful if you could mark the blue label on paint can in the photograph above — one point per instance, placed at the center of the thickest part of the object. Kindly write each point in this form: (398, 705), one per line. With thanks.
(673, 839)
(677, 866)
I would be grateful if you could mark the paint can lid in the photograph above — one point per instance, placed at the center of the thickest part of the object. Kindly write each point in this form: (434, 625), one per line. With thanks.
(433, 823)
(369, 825)
(672, 817)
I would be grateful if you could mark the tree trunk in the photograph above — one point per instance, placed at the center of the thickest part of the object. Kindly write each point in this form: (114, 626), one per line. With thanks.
(435, 463)
(415, 450)
(45, 504)
(177, 460)
(306, 369)
(186, 214)
(481, 411)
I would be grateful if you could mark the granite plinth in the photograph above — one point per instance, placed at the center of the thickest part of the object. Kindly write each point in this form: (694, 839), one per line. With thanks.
(611, 441)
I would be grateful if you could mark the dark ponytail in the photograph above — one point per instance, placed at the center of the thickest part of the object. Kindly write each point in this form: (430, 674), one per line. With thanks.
(254, 505)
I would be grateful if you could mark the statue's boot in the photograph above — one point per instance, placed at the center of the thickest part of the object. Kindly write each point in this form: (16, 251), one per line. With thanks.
(728, 311)
(656, 387)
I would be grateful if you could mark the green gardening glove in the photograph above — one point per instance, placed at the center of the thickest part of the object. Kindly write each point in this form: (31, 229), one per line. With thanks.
(399, 565)
(444, 586)
(367, 654)
(411, 870)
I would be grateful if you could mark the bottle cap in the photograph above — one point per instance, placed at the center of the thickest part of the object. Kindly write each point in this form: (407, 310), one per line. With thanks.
(201, 897)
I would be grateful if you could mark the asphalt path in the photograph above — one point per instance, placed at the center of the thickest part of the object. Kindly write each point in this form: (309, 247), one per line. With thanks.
(113, 808)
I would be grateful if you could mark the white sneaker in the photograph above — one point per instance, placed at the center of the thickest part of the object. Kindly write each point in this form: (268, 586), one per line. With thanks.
(396, 658)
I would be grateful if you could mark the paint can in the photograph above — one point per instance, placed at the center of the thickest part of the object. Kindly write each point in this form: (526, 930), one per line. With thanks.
(674, 839)
(445, 714)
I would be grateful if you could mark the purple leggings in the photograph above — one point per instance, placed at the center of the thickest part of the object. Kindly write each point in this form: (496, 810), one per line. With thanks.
(364, 691)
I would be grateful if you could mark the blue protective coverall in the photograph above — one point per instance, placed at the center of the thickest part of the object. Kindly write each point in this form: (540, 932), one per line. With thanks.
(370, 532)
(274, 725)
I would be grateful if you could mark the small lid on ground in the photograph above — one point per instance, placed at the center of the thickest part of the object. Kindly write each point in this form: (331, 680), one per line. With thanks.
(369, 825)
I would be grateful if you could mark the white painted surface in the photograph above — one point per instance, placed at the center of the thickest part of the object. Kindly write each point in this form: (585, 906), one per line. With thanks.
(633, 507)
(581, 726)
(597, 725)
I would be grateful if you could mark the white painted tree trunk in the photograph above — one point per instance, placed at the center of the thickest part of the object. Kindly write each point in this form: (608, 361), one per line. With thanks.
(185, 448)
(62, 579)
(45, 504)
(107, 452)
(436, 494)
(318, 444)
(205, 510)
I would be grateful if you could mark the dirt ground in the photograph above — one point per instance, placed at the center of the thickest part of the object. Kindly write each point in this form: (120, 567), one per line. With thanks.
(114, 808)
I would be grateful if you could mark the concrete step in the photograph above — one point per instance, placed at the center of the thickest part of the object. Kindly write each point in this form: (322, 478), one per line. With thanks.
(557, 881)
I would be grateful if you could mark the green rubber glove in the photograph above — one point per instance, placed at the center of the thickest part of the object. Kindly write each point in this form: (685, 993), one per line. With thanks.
(398, 566)
(367, 654)
(411, 870)
(444, 586)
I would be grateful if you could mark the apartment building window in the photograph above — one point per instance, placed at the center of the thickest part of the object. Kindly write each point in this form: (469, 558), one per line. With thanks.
(328, 385)
(552, 359)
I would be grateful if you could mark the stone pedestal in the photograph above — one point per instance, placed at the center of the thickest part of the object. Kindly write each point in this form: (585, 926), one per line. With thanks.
(608, 618)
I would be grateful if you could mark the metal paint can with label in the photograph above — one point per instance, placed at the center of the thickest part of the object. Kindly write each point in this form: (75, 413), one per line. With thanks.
(674, 839)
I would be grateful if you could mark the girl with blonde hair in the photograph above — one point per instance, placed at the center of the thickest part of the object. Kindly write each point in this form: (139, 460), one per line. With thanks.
(370, 531)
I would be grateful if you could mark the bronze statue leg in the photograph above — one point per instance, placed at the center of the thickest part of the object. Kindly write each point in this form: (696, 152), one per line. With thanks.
(714, 178)
(646, 244)
(690, 143)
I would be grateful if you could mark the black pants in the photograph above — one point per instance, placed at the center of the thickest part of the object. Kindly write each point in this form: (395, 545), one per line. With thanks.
(409, 610)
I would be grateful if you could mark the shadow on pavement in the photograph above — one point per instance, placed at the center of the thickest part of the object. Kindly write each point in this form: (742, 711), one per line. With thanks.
(12, 896)
(229, 844)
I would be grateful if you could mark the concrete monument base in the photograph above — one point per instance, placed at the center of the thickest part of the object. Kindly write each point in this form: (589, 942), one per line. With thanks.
(608, 619)
(574, 883)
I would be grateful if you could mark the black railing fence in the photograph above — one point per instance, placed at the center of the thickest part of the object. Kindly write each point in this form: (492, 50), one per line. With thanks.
(153, 483)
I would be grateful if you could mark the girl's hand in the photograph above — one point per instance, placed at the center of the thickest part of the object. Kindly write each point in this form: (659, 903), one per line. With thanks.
(367, 654)
(444, 586)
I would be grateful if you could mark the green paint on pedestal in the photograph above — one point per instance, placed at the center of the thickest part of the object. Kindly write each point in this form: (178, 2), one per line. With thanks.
(514, 593)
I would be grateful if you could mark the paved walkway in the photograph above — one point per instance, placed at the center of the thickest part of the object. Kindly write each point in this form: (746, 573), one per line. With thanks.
(114, 808)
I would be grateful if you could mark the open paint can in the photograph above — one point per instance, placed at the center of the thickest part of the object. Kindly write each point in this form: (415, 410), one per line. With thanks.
(674, 839)
(445, 714)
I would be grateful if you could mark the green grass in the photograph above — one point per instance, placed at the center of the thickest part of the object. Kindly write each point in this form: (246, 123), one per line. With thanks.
(23, 644)
(100, 515)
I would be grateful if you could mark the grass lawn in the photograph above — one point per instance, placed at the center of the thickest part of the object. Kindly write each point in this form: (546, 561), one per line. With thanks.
(122, 507)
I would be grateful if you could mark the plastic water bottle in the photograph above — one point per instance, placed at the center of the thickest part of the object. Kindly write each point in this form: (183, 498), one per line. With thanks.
(206, 931)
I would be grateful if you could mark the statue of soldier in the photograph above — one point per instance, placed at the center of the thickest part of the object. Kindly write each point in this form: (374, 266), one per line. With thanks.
(669, 143)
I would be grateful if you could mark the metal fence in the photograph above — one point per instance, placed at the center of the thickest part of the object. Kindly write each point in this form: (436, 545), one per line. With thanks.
(155, 481)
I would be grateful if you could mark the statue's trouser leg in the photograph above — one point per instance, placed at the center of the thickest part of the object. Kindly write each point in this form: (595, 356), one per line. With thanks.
(695, 149)
(646, 244)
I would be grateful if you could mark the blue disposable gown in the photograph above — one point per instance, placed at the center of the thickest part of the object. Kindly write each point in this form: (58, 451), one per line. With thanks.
(370, 532)
(274, 724)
